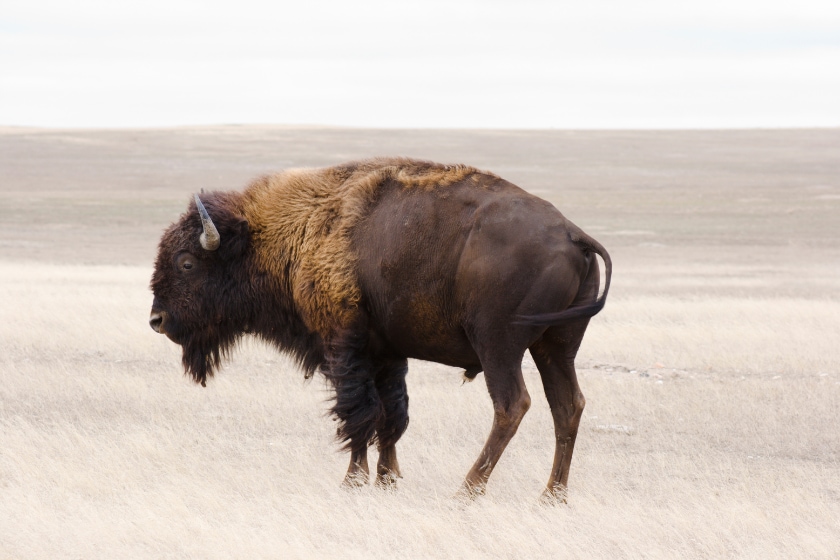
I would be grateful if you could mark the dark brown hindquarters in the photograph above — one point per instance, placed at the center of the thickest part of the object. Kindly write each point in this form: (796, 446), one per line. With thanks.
(554, 355)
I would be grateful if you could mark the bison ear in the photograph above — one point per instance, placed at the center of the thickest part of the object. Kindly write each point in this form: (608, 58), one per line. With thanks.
(235, 239)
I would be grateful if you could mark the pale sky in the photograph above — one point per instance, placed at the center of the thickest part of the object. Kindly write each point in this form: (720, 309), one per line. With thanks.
(464, 64)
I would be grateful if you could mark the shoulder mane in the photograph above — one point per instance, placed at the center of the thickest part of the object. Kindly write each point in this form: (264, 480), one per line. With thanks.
(302, 220)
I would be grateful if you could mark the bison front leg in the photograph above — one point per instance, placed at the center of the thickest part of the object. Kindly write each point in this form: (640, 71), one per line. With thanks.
(358, 473)
(357, 406)
(390, 385)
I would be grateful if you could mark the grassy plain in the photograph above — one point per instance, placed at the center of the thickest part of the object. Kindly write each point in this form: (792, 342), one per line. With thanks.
(712, 377)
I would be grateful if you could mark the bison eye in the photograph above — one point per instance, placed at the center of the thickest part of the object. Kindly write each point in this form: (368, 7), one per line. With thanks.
(185, 262)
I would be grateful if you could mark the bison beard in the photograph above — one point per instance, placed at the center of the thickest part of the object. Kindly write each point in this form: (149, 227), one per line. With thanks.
(202, 353)
(356, 268)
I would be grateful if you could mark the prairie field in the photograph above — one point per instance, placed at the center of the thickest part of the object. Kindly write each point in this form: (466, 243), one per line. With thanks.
(712, 377)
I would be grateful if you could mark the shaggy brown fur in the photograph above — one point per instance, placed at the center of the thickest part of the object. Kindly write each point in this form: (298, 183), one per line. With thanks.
(302, 221)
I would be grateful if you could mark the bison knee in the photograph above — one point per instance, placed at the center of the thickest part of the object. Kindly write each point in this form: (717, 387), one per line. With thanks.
(513, 412)
(579, 402)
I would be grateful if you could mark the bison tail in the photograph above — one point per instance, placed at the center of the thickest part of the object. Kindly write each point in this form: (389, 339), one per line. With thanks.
(576, 312)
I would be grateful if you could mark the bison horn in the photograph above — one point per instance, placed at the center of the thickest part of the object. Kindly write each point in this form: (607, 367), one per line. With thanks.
(210, 238)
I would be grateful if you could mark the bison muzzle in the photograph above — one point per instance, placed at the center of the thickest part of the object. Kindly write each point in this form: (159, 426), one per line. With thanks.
(354, 269)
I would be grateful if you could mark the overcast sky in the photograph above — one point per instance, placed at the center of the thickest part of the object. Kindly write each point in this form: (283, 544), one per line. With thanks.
(511, 64)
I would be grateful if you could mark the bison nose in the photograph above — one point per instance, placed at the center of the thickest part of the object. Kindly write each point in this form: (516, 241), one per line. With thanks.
(156, 321)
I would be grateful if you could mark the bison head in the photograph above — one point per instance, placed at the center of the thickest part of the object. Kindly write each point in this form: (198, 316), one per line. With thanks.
(197, 282)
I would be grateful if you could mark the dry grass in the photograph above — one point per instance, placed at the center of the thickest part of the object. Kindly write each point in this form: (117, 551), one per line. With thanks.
(711, 377)
(108, 451)
(761, 336)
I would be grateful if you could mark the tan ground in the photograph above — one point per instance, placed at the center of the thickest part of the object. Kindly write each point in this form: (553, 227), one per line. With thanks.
(712, 377)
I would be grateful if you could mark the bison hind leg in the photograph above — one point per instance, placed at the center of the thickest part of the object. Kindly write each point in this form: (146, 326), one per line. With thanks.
(554, 355)
(503, 374)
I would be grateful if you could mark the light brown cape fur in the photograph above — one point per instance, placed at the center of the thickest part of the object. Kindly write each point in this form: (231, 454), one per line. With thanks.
(302, 220)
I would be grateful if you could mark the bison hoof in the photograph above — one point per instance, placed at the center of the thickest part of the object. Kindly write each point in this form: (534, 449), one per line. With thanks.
(355, 480)
(469, 492)
(387, 480)
(554, 496)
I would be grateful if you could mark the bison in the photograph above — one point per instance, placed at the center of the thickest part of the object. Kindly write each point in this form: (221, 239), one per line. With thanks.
(355, 268)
